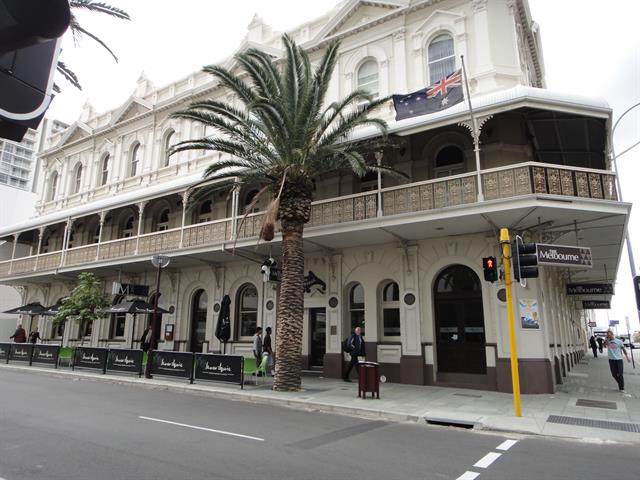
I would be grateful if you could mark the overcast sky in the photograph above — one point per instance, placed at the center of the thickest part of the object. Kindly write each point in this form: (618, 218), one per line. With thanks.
(590, 48)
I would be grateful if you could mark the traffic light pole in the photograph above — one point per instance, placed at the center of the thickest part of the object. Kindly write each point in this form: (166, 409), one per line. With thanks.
(505, 242)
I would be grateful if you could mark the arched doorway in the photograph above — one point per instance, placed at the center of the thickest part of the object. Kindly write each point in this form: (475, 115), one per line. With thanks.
(459, 319)
(198, 320)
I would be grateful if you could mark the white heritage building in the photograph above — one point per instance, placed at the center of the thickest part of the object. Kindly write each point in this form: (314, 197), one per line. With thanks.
(404, 259)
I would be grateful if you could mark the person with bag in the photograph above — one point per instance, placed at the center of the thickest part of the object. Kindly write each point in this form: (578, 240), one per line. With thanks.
(354, 346)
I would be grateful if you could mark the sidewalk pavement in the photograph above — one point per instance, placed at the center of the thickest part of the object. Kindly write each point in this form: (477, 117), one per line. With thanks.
(483, 410)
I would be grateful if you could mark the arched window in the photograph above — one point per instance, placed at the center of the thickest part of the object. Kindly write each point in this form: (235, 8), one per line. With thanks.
(77, 179)
(95, 238)
(441, 58)
(134, 160)
(356, 306)
(205, 212)
(127, 228)
(169, 140)
(118, 320)
(449, 161)
(45, 243)
(390, 307)
(368, 77)
(72, 239)
(248, 199)
(53, 186)
(247, 301)
(104, 175)
(163, 221)
(198, 320)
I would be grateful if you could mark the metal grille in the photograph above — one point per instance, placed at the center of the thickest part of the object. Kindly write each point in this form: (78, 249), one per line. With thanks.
(583, 402)
(587, 422)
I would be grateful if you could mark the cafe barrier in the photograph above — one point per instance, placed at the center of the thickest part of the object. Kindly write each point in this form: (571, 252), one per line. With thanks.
(46, 354)
(4, 351)
(90, 357)
(21, 352)
(123, 360)
(219, 368)
(172, 364)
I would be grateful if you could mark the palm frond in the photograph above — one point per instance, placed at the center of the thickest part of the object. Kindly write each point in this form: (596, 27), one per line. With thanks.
(68, 74)
(100, 7)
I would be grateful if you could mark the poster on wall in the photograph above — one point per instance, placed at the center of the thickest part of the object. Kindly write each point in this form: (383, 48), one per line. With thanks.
(529, 314)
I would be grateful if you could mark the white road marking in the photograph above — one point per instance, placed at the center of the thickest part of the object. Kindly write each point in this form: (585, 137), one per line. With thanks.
(487, 460)
(468, 475)
(195, 427)
(506, 445)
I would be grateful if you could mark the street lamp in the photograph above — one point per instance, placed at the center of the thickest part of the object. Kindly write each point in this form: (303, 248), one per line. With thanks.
(159, 262)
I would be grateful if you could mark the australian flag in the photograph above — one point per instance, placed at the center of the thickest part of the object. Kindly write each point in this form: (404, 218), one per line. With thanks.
(443, 94)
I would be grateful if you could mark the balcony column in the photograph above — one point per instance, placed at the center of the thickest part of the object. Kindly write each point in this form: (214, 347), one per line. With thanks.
(103, 214)
(379, 156)
(234, 211)
(40, 235)
(13, 251)
(141, 206)
(65, 240)
(185, 201)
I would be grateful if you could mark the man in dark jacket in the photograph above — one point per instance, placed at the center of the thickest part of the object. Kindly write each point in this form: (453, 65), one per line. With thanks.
(20, 336)
(145, 340)
(355, 347)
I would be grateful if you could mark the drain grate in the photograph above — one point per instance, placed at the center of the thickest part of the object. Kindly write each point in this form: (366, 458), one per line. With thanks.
(583, 402)
(469, 395)
(587, 422)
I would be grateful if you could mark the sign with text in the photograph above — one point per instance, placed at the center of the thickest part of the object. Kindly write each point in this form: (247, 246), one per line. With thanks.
(4, 351)
(596, 304)
(563, 255)
(21, 352)
(90, 357)
(589, 289)
(47, 354)
(173, 364)
(219, 368)
(613, 323)
(124, 360)
(593, 324)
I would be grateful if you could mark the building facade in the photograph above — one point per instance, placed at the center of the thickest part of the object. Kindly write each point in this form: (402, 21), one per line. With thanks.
(400, 258)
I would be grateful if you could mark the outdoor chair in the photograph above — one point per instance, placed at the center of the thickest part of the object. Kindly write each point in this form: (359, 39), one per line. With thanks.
(250, 368)
(66, 355)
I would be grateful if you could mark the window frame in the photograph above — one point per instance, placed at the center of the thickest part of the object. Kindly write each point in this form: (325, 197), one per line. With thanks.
(241, 311)
(166, 144)
(357, 309)
(134, 160)
(116, 320)
(385, 305)
(447, 58)
(104, 172)
(77, 179)
(53, 186)
(365, 85)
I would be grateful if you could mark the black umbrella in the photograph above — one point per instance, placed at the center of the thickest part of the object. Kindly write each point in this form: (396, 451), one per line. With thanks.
(134, 307)
(223, 327)
(51, 311)
(31, 309)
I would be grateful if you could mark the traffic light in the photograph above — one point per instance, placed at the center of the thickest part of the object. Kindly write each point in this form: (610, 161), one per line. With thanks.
(490, 269)
(525, 259)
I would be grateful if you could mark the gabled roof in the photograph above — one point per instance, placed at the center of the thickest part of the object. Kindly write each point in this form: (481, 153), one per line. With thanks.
(246, 44)
(76, 131)
(119, 114)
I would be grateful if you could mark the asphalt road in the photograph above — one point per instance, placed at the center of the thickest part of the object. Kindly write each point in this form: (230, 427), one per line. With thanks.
(57, 428)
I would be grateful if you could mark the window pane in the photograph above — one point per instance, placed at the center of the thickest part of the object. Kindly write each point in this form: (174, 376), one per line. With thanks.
(368, 77)
(121, 320)
(391, 322)
(441, 58)
(391, 292)
(357, 297)
(248, 322)
(250, 298)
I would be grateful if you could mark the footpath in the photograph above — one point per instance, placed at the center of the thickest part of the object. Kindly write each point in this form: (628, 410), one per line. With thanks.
(587, 406)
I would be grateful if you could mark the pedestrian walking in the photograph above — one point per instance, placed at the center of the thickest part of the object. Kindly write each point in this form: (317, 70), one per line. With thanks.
(594, 346)
(34, 336)
(600, 343)
(354, 345)
(19, 336)
(615, 349)
(267, 349)
(145, 340)
(257, 346)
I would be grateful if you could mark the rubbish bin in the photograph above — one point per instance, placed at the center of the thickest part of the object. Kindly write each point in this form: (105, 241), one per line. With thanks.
(369, 379)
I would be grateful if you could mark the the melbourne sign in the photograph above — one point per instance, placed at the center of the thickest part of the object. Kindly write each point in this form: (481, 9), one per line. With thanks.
(566, 256)
(596, 304)
(589, 289)
(219, 368)
(47, 354)
(122, 360)
(90, 357)
(174, 364)
(21, 352)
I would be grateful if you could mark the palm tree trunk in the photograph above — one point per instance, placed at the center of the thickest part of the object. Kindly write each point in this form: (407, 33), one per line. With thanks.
(290, 310)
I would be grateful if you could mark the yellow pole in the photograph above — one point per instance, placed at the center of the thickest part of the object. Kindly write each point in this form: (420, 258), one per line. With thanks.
(515, 376)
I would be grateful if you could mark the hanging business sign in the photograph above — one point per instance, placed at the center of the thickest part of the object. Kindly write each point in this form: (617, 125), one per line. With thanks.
(4, 351)
(124, 360)
(90, 357)
(596, 304)
(565, 256)
(21, 352)
(130, 289)
(173, 364)
(219, 368)
(589, 289)
(593, 324)
(47, 354)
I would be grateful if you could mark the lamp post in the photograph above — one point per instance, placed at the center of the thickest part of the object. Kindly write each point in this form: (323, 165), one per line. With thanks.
(160, 262)
(614, 157)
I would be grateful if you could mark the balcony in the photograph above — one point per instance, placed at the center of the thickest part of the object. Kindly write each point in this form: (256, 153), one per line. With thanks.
(520, 180)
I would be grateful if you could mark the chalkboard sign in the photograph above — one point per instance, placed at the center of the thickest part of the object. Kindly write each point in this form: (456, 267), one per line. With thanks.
(219, 368)
(90, 357)
(47, 354)
(172, 364)
(21, 352)
(4, 351)
(123, 360)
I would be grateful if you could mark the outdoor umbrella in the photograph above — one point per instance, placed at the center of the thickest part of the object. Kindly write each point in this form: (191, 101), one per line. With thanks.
(133, 307)
(31, 309)
(223, 327)
(51, 311)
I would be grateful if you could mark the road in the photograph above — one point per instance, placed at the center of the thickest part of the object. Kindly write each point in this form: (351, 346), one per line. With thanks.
(62, 428)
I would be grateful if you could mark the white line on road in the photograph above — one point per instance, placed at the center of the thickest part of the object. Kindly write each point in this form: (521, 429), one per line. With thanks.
(487, 460)
(468, 475)
(506, 445)
(222, 432)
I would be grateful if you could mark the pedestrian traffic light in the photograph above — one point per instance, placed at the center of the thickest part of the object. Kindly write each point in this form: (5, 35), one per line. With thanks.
(525, 259)
(490, 269)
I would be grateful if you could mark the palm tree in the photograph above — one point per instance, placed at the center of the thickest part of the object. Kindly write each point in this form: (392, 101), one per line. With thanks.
(77, 31)
(282, 136)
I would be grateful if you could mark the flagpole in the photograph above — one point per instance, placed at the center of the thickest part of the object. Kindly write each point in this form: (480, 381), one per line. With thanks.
(475, 133)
